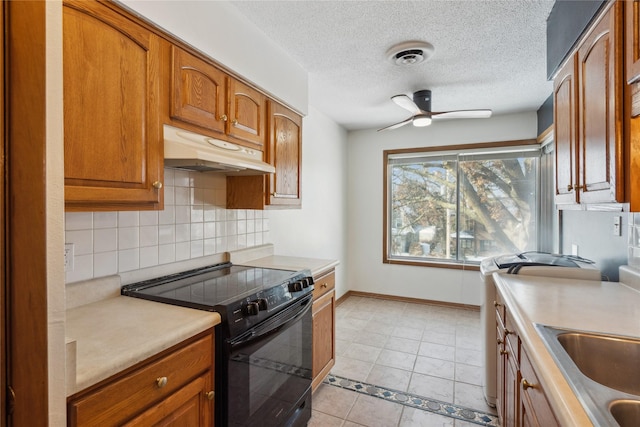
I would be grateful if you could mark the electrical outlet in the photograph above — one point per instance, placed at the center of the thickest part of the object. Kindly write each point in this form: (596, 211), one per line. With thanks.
(574, 249)
(616, 226)
(68, 257)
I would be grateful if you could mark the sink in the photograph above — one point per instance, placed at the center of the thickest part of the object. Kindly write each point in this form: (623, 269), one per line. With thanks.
(610, 361)
(626, 412)
(601, 369)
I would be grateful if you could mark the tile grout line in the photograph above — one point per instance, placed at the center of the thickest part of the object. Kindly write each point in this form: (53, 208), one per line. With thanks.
(414, 401)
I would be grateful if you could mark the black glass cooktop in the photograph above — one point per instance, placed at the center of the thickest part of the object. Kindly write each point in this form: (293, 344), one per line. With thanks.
(218, 285)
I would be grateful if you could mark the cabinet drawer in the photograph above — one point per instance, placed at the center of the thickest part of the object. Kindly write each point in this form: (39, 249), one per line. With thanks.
(324, 284)
(124, 397)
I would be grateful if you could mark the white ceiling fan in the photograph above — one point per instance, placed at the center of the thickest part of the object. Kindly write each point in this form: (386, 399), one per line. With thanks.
(420, 108)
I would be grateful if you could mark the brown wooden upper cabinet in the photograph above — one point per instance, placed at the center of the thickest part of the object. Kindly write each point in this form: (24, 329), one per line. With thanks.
(113, 157)
(199, 92)
(596, 173)
(205, 96)
(632, 40)
(284, 151)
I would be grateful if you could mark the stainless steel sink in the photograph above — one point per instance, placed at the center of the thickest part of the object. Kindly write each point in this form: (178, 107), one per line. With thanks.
(626, 412)
(610, 361)
(602, 370)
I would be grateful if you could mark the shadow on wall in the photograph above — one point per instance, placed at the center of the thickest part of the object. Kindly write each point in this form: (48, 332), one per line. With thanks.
(593, 233)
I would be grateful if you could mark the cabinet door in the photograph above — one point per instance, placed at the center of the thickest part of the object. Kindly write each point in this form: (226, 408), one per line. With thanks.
(600, 112)
(199, 92)
(247, 114)
(112, 144)
(565, 132)
(535, 409)
(189, 406)
(632, 40)
(284, 152)
(323, 337)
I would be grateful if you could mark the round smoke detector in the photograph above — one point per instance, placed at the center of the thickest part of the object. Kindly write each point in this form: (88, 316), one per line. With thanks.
(410, 53)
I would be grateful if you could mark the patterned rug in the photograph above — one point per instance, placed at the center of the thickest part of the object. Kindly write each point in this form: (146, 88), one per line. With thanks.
(414, 401)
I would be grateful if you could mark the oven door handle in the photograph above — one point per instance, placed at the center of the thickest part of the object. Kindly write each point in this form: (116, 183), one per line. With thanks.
(280, 322)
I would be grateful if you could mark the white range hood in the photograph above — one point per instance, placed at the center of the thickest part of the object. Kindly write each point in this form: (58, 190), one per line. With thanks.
(191, 151)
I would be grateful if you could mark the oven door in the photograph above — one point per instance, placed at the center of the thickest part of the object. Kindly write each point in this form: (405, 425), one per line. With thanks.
(268, 371)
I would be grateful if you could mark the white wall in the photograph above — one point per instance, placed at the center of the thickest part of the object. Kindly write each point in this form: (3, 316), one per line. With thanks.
(219, 30)
(366, 272)
(319, 229)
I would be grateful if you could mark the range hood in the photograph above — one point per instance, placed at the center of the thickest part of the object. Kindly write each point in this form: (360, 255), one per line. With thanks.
(191, 151)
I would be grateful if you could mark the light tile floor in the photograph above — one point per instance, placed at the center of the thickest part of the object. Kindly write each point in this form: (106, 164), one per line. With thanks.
(427, 350)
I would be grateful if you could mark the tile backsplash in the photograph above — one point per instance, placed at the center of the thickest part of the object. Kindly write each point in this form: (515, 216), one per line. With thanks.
(194, 223)
(634, 239)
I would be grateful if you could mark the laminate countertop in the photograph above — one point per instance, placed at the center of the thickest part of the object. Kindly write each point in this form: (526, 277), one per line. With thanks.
(107, 336)
(607, 307)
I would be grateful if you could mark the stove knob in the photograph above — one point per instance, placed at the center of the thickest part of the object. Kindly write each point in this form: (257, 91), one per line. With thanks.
(306, 282)
(295, 287)
(263, 304)
(252, 308)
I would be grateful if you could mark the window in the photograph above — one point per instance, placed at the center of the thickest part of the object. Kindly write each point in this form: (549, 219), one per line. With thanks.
(460, 204)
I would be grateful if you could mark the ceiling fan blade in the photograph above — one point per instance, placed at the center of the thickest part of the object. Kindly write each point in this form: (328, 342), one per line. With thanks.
(407, 103)
(397, 125)
(462, 114)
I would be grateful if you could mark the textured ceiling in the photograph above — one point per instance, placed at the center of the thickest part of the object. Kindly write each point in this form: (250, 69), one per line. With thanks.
(488, 54)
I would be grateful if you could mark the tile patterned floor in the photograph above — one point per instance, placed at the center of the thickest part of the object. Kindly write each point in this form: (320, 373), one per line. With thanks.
(426, 351)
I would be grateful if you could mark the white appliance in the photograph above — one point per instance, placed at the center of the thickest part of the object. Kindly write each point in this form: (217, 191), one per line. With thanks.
(526, 263)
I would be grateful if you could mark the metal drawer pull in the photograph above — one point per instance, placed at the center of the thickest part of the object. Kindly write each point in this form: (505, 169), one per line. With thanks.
(324, 285)
(507, 332)
(503, 352)
(526, 384)
(157, 185)
(161, 382)
(496, 304)
(210, 395)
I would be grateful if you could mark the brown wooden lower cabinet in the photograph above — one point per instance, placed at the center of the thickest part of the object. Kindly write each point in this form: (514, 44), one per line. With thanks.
(521, 399)
(172, 389)
(324, 352)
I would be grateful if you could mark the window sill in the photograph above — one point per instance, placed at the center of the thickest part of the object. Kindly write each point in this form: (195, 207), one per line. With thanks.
(454, 265)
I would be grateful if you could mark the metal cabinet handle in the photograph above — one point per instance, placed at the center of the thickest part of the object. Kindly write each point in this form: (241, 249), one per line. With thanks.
(324, 285)
(496, 304)
(210, 395)
(503, 352)
(223, 118)
(157, 185)
(500, 341)
(161, 381)
(526, 384)
(507, 332)
(234, 122)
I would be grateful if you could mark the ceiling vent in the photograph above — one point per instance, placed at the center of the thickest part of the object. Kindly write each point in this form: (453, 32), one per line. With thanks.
(410, 53)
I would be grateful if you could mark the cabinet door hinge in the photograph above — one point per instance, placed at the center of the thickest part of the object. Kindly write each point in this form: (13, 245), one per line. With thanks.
(11, 400)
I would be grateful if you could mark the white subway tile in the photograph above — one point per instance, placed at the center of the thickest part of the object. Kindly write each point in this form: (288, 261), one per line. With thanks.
(169, 177)
(251, 214)
(242, 226)
(183, 251)
(232, 228)
(197, 248)
(221, 244)
(105, 219)
(78, 220)
(241, 214)
(169, 195)
(167, 216)
(148, 236)
(105, 264)
(82, 241)
(242, 241)
(197, 231)
(265, 224)
(148, 218)
(128, 219)
(166, 253)
(183, 214)
(148, 256)
(209, 230)
(182, 195)
(128, 260)
(181, 178)
(221, 228)
(128, 238)
(251, 239)
(197, 214)
(251, 225)
(209, 213)
(82, 269)
(196, 196)
(209, 247)
(166, 234)
(183, 232)
(105, 240)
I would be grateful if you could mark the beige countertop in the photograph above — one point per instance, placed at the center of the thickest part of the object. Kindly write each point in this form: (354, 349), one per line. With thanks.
(317, 266)
(608, 307)
(113, 334)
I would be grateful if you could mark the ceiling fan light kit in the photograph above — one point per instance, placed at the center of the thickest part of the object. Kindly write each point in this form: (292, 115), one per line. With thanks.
(421, 115)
